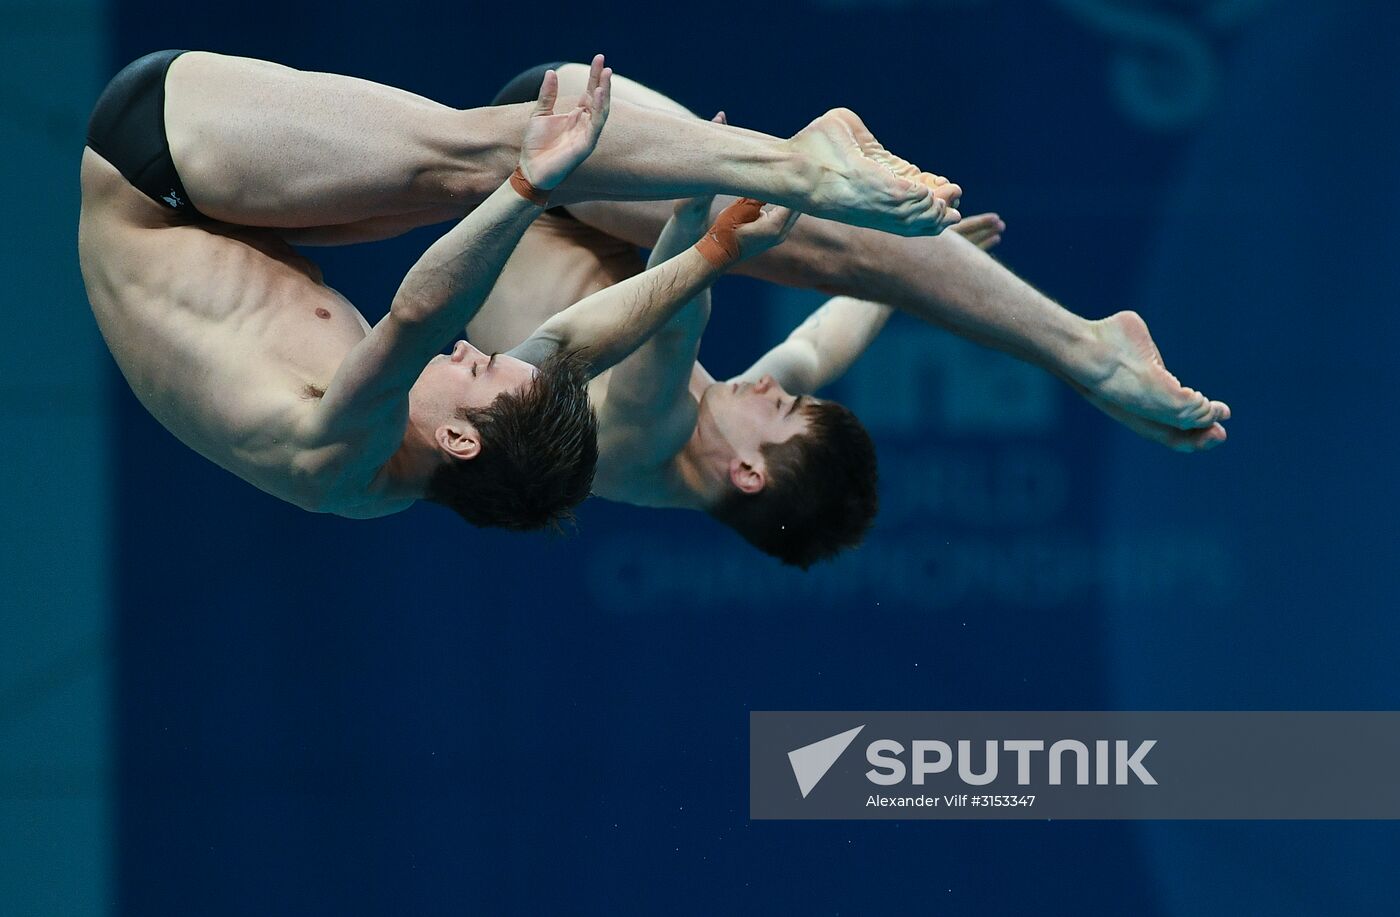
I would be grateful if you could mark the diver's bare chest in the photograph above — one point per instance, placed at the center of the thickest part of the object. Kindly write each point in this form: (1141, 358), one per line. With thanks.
(314, 335)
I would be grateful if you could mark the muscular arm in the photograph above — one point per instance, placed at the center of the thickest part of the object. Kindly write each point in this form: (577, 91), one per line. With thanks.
(646, 386)
(612, 323)
(438, 296)
(451, 281)
(823, 347)
(683, 230)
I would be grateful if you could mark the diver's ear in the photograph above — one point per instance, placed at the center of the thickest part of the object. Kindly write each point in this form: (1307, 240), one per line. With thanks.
(459, 439)
(750, 479)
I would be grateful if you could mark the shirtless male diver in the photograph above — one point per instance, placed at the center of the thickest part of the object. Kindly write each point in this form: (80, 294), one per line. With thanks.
(201, 168)
(793, 474)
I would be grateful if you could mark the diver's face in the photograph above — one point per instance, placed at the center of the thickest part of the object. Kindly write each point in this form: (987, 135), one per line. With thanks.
(751, 415)
(465, 378)
(469, 378)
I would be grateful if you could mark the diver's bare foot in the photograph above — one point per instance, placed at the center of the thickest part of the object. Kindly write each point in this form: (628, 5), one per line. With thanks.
(1196, 440)
(1127, 380)
(858, 181)
(941, 187)
(983, 230)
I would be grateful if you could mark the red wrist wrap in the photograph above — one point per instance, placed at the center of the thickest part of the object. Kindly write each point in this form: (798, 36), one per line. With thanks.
(720, 246)
(522, 187)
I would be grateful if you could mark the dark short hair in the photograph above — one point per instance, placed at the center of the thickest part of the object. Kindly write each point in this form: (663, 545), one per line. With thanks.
(821, 494)
(539, 449)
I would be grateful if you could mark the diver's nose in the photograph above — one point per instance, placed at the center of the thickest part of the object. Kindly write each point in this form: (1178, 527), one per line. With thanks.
(459, 352)
(764, 383)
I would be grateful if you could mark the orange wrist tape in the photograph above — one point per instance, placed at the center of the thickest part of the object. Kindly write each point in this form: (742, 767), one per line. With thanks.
(720, 246)
(522, 187)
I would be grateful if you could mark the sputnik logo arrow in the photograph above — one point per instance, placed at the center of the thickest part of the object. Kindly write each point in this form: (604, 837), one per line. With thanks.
(811, 762)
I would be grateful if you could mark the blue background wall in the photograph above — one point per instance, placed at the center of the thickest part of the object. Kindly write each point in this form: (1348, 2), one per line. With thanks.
(55, 504)
(408, 716)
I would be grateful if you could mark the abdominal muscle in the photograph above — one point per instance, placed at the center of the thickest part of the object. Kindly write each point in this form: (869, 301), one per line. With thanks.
(226, 335)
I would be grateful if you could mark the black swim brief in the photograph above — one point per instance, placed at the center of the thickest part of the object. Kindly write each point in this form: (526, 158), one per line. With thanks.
(526, 88)
(127, 129)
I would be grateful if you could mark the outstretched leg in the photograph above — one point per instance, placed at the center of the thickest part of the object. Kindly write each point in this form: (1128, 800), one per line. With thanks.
(947, 281)
(262, 144)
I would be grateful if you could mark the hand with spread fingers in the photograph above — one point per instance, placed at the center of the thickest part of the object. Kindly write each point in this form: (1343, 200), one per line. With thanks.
(555, 144)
